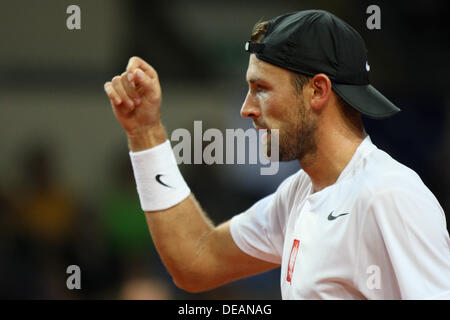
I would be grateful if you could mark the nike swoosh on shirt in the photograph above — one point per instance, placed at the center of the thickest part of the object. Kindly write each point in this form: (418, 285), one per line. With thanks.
(158, 178)
(331, 217)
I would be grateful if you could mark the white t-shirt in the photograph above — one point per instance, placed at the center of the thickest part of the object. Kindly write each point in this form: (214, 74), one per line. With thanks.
(377, 233)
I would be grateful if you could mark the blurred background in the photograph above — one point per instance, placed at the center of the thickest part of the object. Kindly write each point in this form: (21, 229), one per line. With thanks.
(67, 193)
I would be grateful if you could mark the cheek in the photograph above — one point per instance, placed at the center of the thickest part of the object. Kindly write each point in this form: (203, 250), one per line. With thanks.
(280, 113)
(264, 98)
(271, 106)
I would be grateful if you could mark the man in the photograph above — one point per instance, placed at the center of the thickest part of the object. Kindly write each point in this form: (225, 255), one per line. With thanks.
(352, 224)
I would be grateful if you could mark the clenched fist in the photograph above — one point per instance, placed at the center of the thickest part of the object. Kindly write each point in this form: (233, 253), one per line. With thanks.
(136, 99)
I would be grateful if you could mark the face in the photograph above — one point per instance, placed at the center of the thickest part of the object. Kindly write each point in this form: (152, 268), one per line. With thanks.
(272, 102)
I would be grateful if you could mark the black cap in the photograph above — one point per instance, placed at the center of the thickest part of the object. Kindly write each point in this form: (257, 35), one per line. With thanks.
(316, 41)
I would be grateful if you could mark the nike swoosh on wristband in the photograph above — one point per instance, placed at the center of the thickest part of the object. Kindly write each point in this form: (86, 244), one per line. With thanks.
(158, 178)
(331, 217)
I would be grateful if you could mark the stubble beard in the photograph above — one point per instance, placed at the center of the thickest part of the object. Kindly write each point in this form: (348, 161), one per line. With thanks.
(297, 138)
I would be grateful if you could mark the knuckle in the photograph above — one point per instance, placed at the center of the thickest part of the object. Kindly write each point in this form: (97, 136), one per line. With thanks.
(111, 94)
(134, 58)
(116, 80)
(124, 79)
(132, 62)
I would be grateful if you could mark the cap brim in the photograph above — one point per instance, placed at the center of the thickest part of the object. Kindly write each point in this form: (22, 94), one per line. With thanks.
(367, 100)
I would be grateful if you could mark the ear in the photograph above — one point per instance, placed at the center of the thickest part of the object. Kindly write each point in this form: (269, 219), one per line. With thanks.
(321, 91)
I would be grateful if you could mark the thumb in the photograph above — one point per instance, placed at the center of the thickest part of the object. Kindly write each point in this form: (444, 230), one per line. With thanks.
(145, 85)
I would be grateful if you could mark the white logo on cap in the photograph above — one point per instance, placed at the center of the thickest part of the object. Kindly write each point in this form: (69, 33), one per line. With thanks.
(246, 46)
(367, 66)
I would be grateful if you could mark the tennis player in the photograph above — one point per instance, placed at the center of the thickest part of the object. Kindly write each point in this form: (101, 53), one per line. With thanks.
(353, 223)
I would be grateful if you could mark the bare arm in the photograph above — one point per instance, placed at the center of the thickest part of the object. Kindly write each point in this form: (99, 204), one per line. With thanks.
(198, 255)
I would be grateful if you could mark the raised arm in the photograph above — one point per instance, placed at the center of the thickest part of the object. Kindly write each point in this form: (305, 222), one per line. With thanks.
(198, 255)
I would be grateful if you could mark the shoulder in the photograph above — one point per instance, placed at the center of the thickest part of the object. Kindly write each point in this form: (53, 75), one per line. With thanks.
(394, 189)
(379, 173)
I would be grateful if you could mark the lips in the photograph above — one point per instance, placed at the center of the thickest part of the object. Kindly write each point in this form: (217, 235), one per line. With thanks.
(264, 136)
(258, 127)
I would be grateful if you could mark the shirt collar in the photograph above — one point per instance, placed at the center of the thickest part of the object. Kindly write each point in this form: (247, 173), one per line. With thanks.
(363, 150)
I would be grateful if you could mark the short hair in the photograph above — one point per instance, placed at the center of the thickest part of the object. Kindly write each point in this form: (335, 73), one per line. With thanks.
(259, 30)
(350, 113)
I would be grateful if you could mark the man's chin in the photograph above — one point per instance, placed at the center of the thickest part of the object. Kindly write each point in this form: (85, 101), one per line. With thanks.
(271, 148)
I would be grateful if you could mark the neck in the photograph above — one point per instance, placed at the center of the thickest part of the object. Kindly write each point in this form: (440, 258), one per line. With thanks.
(335, 149)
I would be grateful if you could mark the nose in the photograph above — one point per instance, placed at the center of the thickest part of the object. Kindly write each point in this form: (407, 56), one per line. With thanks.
(250, 108)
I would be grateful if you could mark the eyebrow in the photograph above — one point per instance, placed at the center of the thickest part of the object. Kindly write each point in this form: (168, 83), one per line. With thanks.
(253, 80)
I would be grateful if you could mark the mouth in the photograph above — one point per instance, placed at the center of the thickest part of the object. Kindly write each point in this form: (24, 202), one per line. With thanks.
(264, 136)
(260, 128)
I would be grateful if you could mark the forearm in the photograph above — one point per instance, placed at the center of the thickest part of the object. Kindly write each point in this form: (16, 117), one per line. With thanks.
(180, 235)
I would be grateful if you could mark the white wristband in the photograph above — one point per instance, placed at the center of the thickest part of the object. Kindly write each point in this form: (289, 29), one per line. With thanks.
(159, 182)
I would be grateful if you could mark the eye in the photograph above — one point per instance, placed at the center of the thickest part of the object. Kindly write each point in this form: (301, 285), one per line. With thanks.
(260, 88)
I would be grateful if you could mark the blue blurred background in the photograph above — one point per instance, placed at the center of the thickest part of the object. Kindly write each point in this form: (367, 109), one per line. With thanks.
(67, 194)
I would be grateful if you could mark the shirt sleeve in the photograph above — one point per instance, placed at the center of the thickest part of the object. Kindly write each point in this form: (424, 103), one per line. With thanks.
(416, 242)
(259, 231)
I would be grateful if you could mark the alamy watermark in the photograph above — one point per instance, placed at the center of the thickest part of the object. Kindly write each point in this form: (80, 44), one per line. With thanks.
(374, 279)
(374, 20)
(73, 21)
(236, 146)
(74, 280)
